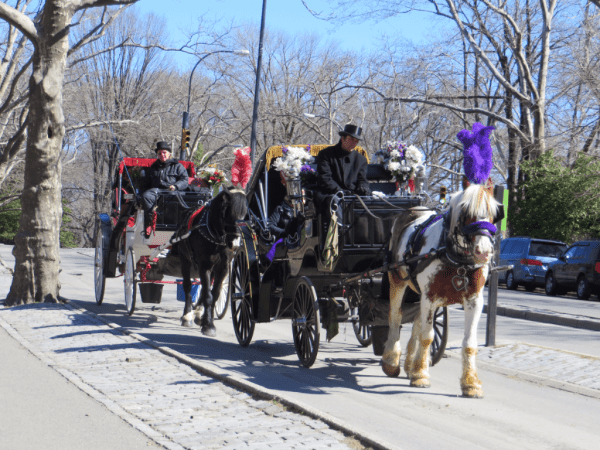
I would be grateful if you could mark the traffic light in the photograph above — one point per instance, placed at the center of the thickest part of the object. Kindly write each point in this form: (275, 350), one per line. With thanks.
(443, 192)
(185, 138)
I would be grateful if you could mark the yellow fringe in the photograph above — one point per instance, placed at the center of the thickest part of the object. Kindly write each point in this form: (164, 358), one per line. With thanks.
(275, 151)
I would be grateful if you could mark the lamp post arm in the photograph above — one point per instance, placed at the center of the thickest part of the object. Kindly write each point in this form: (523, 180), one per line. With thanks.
(194, 69)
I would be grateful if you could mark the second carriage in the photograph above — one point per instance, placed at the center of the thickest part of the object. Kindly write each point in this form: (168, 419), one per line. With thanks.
(314, 280)
(123, 248)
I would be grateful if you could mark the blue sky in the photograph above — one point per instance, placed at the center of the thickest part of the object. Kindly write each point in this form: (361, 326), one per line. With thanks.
(287, 15)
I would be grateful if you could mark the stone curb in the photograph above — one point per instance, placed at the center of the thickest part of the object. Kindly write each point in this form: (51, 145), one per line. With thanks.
(567, 320)
(247, 386)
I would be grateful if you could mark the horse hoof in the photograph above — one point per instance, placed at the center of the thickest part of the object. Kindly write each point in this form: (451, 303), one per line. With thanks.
(390, 371)
(420, 383)
(473, 392)
(209, 331)
(187, 323)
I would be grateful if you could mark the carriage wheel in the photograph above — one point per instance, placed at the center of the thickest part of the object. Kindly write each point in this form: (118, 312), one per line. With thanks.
(102, 242)
(241, 299)
(222, 302)
(305, 322)
(129, 281)
(362, 332)
(440, 334)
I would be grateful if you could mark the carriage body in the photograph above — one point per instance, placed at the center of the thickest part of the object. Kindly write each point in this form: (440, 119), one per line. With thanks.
(300, 264)
(122, 247)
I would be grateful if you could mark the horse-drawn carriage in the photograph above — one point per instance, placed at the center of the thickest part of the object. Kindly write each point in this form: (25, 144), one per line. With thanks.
(123, 247)
(314, 280)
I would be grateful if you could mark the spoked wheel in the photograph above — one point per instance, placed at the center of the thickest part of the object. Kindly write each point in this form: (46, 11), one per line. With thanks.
(362, 332)
(129, 281)
(305, 322)
(241, 299)
(222, 302)
(102, 241)
(440, 334)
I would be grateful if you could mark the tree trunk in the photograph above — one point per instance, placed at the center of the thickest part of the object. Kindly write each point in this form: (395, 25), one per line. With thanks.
(37, 243)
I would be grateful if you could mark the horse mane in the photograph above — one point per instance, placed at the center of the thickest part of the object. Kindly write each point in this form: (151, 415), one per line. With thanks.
(476, 200)
(237, 203)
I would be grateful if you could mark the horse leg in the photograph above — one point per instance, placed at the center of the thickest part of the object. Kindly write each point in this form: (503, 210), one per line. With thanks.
(419, 374)
(390, 361)
(206, 323)
(469, 382)
(187, 320)
(412, 346)
(220, 271)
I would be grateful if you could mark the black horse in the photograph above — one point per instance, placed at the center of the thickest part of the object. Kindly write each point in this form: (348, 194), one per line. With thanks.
(213, 238)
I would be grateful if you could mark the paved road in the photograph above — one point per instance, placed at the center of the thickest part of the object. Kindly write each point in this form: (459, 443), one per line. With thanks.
(345, 388)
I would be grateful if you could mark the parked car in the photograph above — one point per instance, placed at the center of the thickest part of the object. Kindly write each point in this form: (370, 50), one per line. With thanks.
(578, 268)
(530, 258)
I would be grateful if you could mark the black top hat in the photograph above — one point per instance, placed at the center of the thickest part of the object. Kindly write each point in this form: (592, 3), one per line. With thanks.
(352, 130)
(162, 145)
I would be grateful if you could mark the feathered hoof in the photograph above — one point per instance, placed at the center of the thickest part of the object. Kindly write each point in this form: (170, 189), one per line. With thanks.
(208, 330)
(390, 371)
(420, 383)
(472, 392)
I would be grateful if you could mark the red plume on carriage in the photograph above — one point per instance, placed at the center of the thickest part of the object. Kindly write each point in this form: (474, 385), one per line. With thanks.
(241, 170)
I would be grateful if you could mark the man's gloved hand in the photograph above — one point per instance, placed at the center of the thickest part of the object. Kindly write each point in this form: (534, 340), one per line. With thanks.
(363, 191)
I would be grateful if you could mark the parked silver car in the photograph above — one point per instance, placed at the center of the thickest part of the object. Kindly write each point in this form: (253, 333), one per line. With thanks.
(530, 258)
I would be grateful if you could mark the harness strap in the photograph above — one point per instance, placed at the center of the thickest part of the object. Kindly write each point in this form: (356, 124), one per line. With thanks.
(181, 200)
(192, 217)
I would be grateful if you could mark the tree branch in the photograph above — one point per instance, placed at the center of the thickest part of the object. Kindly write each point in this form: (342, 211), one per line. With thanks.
(19, 20)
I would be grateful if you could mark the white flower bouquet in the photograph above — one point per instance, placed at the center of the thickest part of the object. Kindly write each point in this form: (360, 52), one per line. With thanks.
(401, 160)
(295, 162)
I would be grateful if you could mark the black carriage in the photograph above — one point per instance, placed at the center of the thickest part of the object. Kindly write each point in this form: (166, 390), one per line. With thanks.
(122, 247)
(301, 283)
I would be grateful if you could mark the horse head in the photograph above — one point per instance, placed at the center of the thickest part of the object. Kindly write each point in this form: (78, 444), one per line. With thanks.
(472, 229)
(232, 207)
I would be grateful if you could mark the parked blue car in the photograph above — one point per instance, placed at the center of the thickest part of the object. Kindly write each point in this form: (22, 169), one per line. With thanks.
(577, 269)
(530, 258)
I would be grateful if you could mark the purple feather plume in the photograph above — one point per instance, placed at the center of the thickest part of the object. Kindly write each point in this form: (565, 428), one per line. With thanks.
(477, 152)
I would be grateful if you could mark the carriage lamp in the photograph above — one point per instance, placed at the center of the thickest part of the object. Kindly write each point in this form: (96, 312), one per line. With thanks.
(295, 194)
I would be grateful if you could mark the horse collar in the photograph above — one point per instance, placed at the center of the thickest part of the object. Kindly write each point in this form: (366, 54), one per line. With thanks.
(205, 228)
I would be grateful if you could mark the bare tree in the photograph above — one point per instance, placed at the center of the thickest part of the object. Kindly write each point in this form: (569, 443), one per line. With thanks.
(37, 242)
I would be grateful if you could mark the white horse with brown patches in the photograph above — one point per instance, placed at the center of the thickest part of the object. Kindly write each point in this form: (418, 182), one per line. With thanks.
(457, 276)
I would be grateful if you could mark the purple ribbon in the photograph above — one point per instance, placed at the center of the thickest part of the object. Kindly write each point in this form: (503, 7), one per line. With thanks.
(271, 253)
(477, 226)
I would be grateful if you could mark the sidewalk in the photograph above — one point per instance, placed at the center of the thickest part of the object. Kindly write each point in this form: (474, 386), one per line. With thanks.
(168, 401)
(177, 403)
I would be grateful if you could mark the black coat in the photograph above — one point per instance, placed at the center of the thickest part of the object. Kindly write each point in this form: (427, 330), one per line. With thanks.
(280, 218)
(339, 170)
(162, 175)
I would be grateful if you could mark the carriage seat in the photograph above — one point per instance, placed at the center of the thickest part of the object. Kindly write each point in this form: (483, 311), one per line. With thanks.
(380, 179)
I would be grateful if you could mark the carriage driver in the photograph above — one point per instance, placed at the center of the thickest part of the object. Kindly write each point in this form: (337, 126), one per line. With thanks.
(164, 173)
(341, 169)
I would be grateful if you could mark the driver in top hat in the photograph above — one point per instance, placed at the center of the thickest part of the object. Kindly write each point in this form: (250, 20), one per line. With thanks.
(341, 169)
(164, 173)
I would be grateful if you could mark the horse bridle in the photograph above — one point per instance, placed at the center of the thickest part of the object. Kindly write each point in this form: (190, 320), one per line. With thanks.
(462, 254)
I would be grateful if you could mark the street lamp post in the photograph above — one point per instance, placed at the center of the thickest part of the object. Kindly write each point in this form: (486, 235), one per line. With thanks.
(185, 133)
(257, 84)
